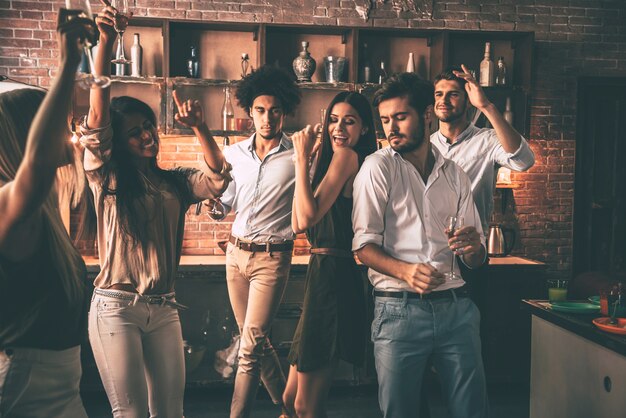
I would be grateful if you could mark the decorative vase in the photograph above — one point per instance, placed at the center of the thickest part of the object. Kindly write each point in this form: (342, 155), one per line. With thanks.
(303, 64)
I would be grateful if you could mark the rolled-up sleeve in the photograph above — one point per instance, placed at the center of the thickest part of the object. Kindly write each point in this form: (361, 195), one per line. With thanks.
(521, 160)
(370, 196)
(206, 183)
(97, 143)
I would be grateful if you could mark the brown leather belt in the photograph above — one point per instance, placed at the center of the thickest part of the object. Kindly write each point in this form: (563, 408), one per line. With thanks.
(335, 252)
(266, 247)
(459, 292)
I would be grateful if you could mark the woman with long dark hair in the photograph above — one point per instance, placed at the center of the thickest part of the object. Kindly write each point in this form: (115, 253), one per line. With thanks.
(332, 325)
(43, 309)
(134, 327)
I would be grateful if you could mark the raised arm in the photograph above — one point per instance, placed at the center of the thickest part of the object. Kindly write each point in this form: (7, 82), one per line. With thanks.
(190, 114)
(48, 137)
(509, 138)
(99, 99)
(309, 207)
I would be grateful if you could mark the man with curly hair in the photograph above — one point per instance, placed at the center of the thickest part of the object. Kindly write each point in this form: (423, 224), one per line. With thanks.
(258, 256)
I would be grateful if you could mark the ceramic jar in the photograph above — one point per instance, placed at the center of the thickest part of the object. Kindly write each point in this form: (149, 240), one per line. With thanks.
(303, 64)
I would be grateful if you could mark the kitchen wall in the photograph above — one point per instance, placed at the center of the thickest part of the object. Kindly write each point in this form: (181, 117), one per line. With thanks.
(573, 38)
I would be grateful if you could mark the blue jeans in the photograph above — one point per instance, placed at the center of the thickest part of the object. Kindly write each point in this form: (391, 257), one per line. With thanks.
(407, 333)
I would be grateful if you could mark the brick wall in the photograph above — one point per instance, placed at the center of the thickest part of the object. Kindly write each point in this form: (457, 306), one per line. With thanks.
(573, 38)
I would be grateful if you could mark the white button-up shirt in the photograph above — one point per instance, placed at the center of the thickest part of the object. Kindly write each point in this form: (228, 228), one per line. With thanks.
(261, 192)
(394, 209)
(477, 151)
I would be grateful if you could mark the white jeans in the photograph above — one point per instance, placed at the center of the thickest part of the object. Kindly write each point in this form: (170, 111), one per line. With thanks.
(37, 383)
(139, 352)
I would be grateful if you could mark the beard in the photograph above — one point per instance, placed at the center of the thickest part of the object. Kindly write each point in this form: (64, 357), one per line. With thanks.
(416, 140)
(453, 117)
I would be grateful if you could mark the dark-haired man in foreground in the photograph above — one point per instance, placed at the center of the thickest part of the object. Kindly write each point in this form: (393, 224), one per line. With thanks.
(402, 196)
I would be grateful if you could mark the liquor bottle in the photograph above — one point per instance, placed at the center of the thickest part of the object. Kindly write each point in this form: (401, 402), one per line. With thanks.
(193, 64)
(501, 72)
(120, 69)
(508, 114)
(487, 70)
(136, 55)
(410, 65)
(366, 75)
(228, 112)
(382, 76)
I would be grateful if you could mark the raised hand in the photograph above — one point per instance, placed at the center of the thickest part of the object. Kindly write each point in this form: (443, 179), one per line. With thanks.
(71, 34)
(304, 142)
(475, 93)
(106, 22)
(189, 112)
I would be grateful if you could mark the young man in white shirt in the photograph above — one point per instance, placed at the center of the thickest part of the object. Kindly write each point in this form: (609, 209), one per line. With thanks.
(402, 196)
(478, 151)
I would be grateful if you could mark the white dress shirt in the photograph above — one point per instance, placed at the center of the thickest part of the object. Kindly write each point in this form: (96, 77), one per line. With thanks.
(261, 192)
(477, 151)
(394, 209)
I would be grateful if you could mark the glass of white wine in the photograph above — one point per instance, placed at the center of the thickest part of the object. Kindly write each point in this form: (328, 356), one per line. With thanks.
(453, 224)
(82, 8)
(121, 23)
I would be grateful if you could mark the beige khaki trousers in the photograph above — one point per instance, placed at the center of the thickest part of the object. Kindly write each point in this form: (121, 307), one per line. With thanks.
(256, 282)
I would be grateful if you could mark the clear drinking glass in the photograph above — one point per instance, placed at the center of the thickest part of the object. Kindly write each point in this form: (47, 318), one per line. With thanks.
(82, 8)
(121, 23)
(216, 209)
(453, 224)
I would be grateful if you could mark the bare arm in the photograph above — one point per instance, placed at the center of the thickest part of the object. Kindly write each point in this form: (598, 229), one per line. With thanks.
(509, 138)
(308, 207)
(190, 114)
(48, 137)
(421, 277)
(99, 99)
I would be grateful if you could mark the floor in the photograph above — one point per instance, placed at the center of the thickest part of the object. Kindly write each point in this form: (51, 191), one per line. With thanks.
(345, 402)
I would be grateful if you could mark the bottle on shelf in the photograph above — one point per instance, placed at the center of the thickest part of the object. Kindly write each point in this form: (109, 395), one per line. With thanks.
(120, 69)
(508, 113)
(366, 72)
(501, 72)
(193, 63)
(136, 55)
(487, 68)
(382, 76)
(410, 65)
(228, 112)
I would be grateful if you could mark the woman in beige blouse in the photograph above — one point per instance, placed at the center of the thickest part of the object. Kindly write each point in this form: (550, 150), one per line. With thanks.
(134, 328)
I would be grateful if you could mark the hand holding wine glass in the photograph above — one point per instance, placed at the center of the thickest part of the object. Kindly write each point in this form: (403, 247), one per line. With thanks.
(82, 9)
(453, 224)
(217, 211)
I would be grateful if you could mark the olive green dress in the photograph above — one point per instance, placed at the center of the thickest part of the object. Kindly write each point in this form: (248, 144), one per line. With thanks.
(333, 321)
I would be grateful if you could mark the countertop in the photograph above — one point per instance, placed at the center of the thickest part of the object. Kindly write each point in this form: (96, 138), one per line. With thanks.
(579, 324)
(216, 262)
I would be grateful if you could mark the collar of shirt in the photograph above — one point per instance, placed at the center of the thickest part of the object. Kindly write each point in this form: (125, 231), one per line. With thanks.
(284, 144)
(467, 134)
(440, 162)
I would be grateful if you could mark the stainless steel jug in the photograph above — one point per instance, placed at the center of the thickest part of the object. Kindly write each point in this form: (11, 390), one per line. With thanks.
(497, 244)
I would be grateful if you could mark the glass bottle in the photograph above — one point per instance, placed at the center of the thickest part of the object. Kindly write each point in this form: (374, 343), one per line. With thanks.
(136, 55)
(120, 69)
(487, 68)
(382, 76)
(366, 74)
(501, 72)
(193, 63)
(228, 112)
(410, 65)
(508, 114)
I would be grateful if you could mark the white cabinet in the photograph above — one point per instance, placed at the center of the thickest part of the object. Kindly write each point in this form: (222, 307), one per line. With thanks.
(572, 377)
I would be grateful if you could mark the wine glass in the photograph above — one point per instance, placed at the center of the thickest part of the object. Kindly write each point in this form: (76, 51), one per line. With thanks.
(453, 224)
(82, 8)
(121, 23)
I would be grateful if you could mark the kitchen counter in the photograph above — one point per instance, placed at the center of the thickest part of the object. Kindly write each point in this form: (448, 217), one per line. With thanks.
(579, 324)
(577, 370)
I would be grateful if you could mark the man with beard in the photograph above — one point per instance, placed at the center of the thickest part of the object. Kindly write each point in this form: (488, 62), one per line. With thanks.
(478, 151)
(402, 196)
(258, 256)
